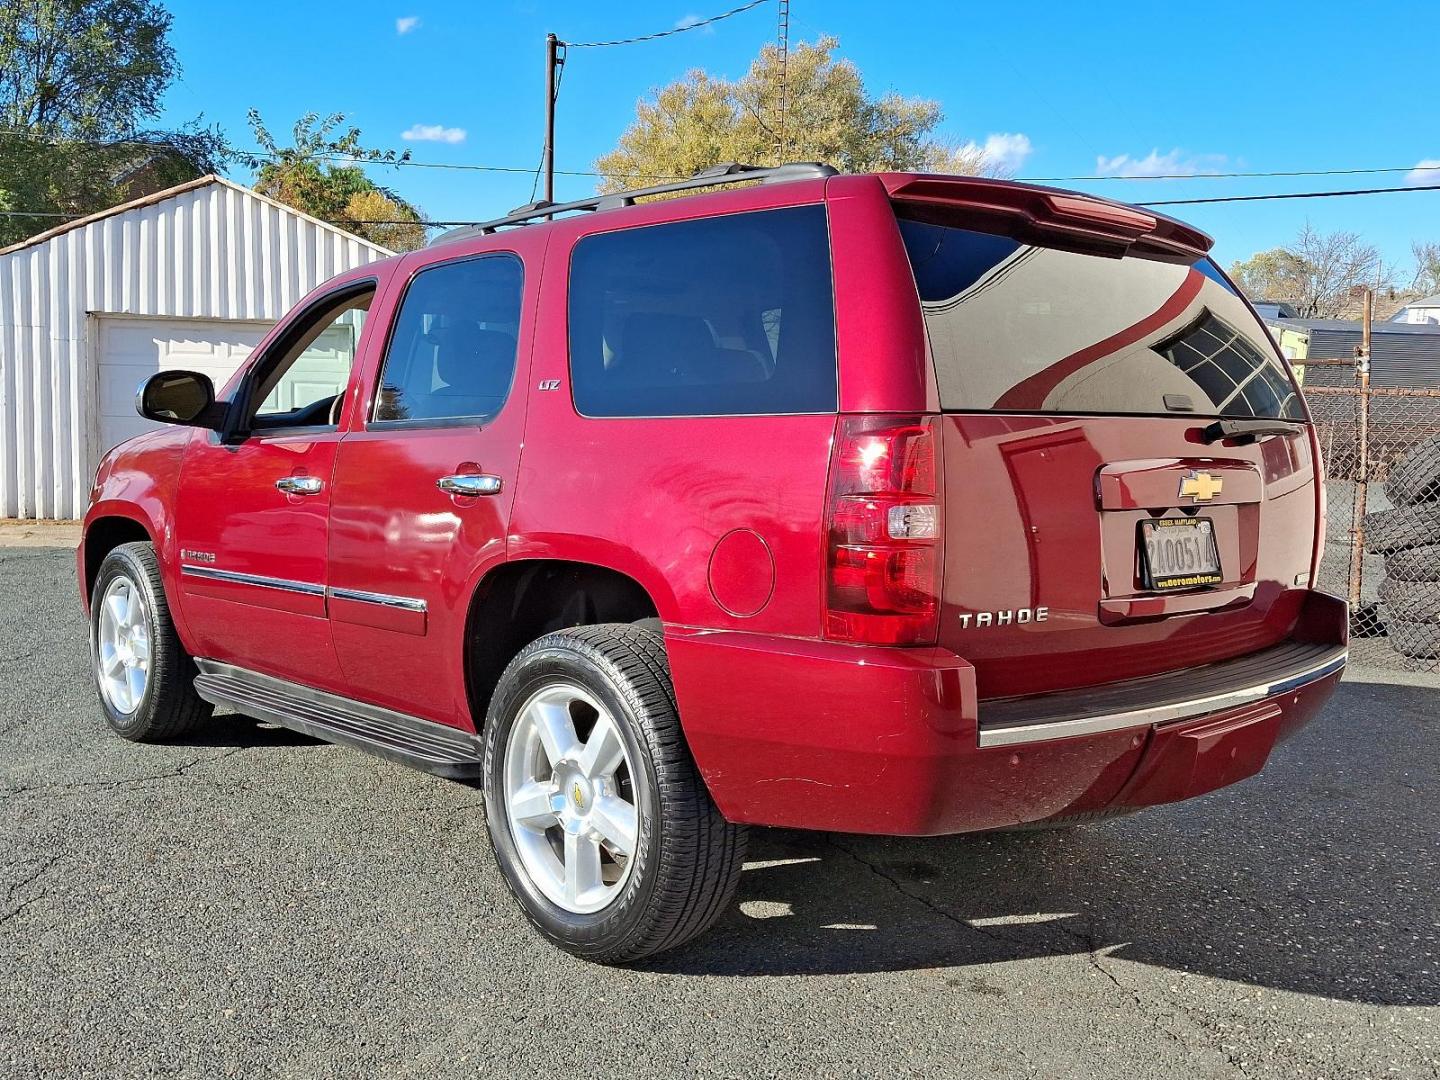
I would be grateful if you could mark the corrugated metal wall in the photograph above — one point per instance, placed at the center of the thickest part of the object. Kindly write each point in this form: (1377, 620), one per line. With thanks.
(213, 252)
(1397, 359)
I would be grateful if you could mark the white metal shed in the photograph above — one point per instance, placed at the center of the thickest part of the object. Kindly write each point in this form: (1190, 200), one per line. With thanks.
(190, 277)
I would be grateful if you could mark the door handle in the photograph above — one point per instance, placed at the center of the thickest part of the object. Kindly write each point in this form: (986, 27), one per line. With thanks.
(469, 484)
(300, 485)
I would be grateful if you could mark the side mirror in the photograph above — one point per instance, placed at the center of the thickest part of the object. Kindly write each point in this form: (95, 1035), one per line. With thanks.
(179, 397)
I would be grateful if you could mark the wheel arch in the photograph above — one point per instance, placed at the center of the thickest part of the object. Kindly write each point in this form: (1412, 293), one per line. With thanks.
(520, 600)
(106, 528)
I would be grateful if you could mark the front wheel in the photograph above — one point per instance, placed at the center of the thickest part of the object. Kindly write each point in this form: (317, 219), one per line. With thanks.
(600, 821)
(143, 675)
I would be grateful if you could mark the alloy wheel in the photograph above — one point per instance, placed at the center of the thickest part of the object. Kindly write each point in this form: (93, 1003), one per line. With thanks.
(122, 654)
(569, 798)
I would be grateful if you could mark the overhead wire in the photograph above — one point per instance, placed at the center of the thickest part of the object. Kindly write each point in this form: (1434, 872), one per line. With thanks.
(685, 28)
(527, 170)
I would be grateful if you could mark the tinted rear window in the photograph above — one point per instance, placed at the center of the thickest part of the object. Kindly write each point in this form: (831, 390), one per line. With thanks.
(719, 316)
(1019, 328)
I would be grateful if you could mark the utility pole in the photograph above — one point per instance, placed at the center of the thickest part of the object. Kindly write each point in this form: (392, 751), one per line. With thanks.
(552, 67)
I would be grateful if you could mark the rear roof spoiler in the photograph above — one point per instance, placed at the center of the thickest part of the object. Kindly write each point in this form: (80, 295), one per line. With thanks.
(1047, 215)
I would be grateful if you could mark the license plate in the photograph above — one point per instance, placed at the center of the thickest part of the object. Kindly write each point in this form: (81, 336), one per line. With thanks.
(1179, 553)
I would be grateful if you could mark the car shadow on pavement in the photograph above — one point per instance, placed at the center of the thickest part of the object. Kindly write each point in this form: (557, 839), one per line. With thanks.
(1317, 877)
(233, 729)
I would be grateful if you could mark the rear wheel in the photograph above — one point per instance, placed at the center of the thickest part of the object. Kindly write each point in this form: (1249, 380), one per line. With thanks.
(600, 821)
(143, 675)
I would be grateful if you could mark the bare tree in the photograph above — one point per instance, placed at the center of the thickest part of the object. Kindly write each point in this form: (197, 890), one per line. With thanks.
(1426, 278)
(1316, 273)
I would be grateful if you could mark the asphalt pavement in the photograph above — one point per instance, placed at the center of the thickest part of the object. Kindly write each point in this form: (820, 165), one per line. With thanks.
(254, 903)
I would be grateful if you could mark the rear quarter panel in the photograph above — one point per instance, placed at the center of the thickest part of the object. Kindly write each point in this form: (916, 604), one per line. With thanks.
(653, 497)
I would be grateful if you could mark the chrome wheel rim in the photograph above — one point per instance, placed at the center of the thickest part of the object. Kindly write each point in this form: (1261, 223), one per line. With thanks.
(569, 791)
(122, 647)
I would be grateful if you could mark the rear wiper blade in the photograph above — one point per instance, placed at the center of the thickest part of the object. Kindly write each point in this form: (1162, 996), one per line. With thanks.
(1248, 430)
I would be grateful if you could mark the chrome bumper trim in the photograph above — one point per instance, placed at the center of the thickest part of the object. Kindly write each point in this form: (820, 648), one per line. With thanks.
(257, 580)
(1159, 714)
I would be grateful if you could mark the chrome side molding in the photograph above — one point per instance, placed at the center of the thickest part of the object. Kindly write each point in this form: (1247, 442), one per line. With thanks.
(405, 603)
(259, 581)
(306, 588)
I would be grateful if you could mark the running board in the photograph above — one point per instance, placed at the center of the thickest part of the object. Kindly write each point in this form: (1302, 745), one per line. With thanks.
(421, 744)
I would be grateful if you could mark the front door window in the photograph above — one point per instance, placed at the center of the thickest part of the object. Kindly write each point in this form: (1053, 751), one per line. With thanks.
(303, 386)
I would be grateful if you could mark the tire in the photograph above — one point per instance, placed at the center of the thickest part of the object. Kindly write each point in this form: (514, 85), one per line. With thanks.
(160, 703)
(1415, 564)
(1411, 601)
(1417, 640)
(685, 859)
(1416, 476)
(1388, 531)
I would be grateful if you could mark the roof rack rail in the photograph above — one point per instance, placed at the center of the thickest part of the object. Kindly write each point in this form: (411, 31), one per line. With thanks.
(714, 176)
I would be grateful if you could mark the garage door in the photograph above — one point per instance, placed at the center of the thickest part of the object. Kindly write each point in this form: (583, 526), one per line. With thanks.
(131, 350)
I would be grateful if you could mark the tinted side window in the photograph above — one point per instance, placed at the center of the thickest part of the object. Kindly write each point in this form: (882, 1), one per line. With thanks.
(721, 316)
(452, 353)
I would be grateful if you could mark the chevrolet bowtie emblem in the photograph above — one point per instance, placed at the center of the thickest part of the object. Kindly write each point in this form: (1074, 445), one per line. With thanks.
(578, 797)
(1200, 486)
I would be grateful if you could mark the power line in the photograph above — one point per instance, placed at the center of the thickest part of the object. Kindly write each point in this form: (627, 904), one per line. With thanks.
(1291, 195)
(1235, 175)
(667, 33)
(408, 163)
(1163, 202)
(528, 170)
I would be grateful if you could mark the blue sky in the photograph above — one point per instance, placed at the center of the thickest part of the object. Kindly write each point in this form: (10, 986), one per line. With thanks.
(1062, 89)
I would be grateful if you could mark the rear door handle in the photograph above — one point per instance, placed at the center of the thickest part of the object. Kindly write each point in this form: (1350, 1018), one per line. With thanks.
(469, 484)
(300, 485)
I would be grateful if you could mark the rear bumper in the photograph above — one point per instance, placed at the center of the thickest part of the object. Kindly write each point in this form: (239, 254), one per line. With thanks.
(812, 735)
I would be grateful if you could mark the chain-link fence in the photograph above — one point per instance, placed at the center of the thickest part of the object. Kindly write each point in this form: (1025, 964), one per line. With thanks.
(1382, 538)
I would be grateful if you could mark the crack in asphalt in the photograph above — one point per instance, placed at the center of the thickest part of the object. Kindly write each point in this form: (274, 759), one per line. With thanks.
(36, 876)
(1086, 939)
(170, 774)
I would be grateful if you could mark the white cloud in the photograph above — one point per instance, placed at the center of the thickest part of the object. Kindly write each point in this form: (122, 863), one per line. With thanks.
(406, 23)
(433, 133)
(1175, 163)
(1003, 152)
(1425, 174)
(690, 20)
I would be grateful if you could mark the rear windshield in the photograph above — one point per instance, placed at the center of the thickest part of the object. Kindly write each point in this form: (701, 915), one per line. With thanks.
(1019, 328)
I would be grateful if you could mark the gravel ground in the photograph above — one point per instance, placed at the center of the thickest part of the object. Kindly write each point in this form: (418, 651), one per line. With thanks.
(255, 903)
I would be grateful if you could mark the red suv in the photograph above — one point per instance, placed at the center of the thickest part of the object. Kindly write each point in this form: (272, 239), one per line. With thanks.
(892, 504)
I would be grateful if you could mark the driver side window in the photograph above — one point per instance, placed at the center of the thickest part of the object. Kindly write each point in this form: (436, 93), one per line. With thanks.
(305, 385)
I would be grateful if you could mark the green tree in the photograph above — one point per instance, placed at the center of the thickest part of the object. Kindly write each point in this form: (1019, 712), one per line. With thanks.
(77, 80)
(322, 174)
(1317, 273)
(829, 116)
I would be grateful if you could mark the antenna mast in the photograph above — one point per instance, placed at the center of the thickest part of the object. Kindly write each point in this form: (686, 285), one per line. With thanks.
(784, 36)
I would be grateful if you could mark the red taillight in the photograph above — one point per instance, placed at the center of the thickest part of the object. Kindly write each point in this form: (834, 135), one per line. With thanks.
(883, 558)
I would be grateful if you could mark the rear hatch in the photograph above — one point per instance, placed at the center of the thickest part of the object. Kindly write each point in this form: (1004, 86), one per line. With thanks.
(1099, 525)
